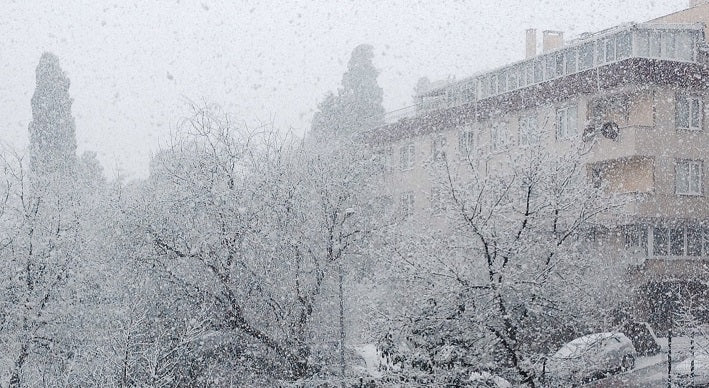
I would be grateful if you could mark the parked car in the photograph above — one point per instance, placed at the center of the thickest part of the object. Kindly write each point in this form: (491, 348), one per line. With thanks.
(590, 357)
(488, 380)
(683, 371)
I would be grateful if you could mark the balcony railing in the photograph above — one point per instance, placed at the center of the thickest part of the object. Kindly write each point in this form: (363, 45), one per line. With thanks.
(630, 141)
(396, 115)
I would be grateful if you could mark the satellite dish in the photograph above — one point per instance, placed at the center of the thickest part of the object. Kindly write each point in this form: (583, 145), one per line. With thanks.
(610, 130)
(588, 133)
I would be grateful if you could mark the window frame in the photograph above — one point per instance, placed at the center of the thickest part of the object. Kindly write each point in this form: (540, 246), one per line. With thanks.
(498, 142)
(699, 170)
(466, 142)
(384, 204)
(438, 205)
(570, 61)
(636, 238)
(586, 56)
(564, 112)
(385, 156)
(439, 144)
(683, 247)
(685, 103)
(623, 45)
(409, 150)
(407, 203)
(531, 134)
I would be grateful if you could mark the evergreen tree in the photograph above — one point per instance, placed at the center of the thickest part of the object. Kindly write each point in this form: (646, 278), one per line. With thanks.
(358, 104)
(52, 130)
(325, 120)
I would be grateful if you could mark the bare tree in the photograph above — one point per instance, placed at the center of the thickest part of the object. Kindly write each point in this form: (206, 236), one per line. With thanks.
(41, 248)
(250, 224)
(502, 278)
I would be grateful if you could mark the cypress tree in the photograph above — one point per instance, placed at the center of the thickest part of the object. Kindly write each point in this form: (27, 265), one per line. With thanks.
(52, 130)
(358, 103)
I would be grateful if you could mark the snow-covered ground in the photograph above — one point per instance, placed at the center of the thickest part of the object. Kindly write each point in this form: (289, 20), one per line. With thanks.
(371, 358)
(681, 345)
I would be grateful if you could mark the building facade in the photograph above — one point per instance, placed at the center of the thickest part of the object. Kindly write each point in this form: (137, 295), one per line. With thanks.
(635, 95)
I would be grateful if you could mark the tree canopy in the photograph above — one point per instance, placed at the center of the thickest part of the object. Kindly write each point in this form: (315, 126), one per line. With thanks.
(52, 130)
(358, 102)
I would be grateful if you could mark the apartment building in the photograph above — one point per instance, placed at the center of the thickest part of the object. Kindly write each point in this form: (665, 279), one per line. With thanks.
(637, 93)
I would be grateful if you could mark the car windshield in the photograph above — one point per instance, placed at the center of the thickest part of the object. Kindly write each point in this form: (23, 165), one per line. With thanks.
(579, 346)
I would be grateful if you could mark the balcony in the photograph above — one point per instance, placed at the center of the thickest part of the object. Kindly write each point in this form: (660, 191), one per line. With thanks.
(633, 141)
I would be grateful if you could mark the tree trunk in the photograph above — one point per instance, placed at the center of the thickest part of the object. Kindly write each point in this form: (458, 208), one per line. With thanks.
(691, 352)
(342, 328)
(17, 371)
(669, 356)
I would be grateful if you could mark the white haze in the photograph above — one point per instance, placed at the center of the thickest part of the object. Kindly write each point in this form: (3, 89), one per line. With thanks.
(134, 64)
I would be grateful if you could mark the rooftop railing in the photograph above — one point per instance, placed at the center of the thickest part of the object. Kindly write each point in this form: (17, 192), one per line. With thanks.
(396, 115)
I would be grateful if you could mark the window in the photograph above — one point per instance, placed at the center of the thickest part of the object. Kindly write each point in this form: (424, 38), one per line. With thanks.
(502, 82)
(668, 45)
(450, 97)
(688, 177)
(610, 50)
(484, 85)
(694, 240)
(529, 74)
(624, 46)
(383, 205)
(559, 64)
(469, 92)
(586, 56)
(642, 43)
(466, 142)
(570, 58)
(407, 204)
(677, 241)
(680, 240)
(493, 85)
(538, 71)
(407, 155)
(661, 44)
(600, 51)
(498, 137)
(636, 238)
(528, 130)
(566, 122)
(385, 158)
(688, 113)
(550, 61)
(660, 241)
(655, 44)
(512, 79)
(389, 160)
(438, 204)
(685, 46)
(438, 148)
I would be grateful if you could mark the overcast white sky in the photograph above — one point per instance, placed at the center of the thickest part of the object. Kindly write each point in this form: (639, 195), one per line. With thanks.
(134, 64)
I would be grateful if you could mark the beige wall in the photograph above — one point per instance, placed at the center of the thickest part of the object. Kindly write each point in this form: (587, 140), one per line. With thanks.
(697, 14)
(642, 160)
(633, 175)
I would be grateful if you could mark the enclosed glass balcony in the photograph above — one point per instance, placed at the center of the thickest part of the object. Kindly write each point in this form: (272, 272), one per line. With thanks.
(675, 42)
